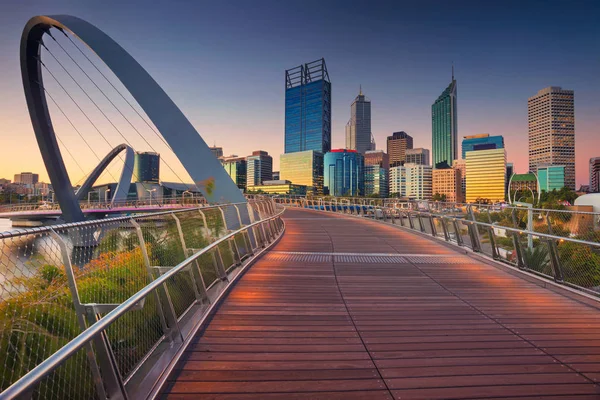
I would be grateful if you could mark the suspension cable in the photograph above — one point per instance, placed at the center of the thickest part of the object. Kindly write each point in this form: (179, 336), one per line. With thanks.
(112, 103)
(69, 119)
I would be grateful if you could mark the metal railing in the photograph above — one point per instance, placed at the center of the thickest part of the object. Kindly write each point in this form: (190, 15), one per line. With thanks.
(47, 206)
(557, 245)
(98, 309)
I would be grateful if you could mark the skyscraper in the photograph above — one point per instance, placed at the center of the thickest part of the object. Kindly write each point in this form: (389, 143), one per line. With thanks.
(259, 168)
(418, 156)
(308, 108)
(445, 127)
(358, 128)
(595, 175)
(217, 151)
(376, 173)
(146, 167)
(481, 142)
(236, 168)
(397, 144)
(377, 157)
(344, 173)
(418, 181)
(552, 131)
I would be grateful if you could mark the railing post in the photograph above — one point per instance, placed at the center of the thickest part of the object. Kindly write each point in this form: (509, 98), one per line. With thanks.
(106, 375)
(433, 230)
(445, 229)
(554, 255)
(164, 302)
(474, 231)
(195, 275)
(517, 242)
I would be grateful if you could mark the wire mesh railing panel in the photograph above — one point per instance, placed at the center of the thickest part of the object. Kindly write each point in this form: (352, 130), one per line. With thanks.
(135, 334)
(37, 316)
(505, 246)
(71, 381)
(580, 264)
(165, 250)
(537, 257)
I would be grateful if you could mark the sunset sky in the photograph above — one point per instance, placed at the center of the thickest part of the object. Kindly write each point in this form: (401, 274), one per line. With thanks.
(223, 64)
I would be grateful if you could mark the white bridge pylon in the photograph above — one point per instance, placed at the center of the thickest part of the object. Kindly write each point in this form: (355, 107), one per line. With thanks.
(188, 146)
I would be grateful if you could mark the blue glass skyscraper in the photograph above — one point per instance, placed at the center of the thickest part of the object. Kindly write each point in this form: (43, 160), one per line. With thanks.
(308, 108)
(481, 142)
(344, 173)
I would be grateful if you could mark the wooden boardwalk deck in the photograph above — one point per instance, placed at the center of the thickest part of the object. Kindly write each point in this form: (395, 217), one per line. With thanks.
(410, 319)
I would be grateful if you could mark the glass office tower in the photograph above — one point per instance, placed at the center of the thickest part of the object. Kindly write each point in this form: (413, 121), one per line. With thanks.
(551, 177)
(146, 167)
(303, 168)
(343, 171)
(236, 168)
(445, 127)
(481, 142)
(308, 108)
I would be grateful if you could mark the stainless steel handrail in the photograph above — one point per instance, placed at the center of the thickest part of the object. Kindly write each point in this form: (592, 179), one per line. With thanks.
(55, 360)
(20, 232)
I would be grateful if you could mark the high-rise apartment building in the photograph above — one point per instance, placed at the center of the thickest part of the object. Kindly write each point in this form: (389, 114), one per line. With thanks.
(447, 182)
(486, 175)
(236, 167)
(358, 128)
(397, 144)
(552, 131)
(308, 108)
(259, 168)
(551, 177)
(303, 168)
(444, 130)
(595, 175)
(397, 178)
(344, 173)
(26, 178)
(481, 142)
(418, 156)
(217, 151)
(418, 181)
(146, 167)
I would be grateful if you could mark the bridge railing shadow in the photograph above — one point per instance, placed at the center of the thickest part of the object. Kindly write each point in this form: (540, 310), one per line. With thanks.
(100, 308)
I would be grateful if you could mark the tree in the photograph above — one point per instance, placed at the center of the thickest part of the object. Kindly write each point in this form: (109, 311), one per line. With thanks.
(439, 197)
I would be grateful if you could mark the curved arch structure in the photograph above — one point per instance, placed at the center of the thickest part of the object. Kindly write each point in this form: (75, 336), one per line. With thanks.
(206, 171)
(124, 181)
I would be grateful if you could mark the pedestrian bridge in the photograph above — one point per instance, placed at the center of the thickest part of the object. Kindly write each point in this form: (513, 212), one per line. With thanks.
(347, 307)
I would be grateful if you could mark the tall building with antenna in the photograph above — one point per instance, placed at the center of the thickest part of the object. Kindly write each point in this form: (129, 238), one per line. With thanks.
(444, 127)
(358, 128)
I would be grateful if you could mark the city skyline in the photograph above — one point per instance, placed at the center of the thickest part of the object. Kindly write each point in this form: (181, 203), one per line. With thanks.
(501, 78)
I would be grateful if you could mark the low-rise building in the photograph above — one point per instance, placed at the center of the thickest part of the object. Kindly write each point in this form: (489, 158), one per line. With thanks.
(278, 187)
(446, 182)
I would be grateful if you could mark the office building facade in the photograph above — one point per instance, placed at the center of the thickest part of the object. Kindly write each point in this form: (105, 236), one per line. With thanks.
(397, 144)
(278, 187)
(594, 175)
(397, 181)
(344, 173)
(377, 157)
(551, 177)
(551, 115)
(259, 168)
(236, 167)
(462, 166)
(308, 108)
(358, 128)
(376, 181)
(419, 156)
(419, 184)
(481, 142)
(444, 127)
(146, 167)
(447, 182)
(303, 168)
(486, 175)
(26, 178)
